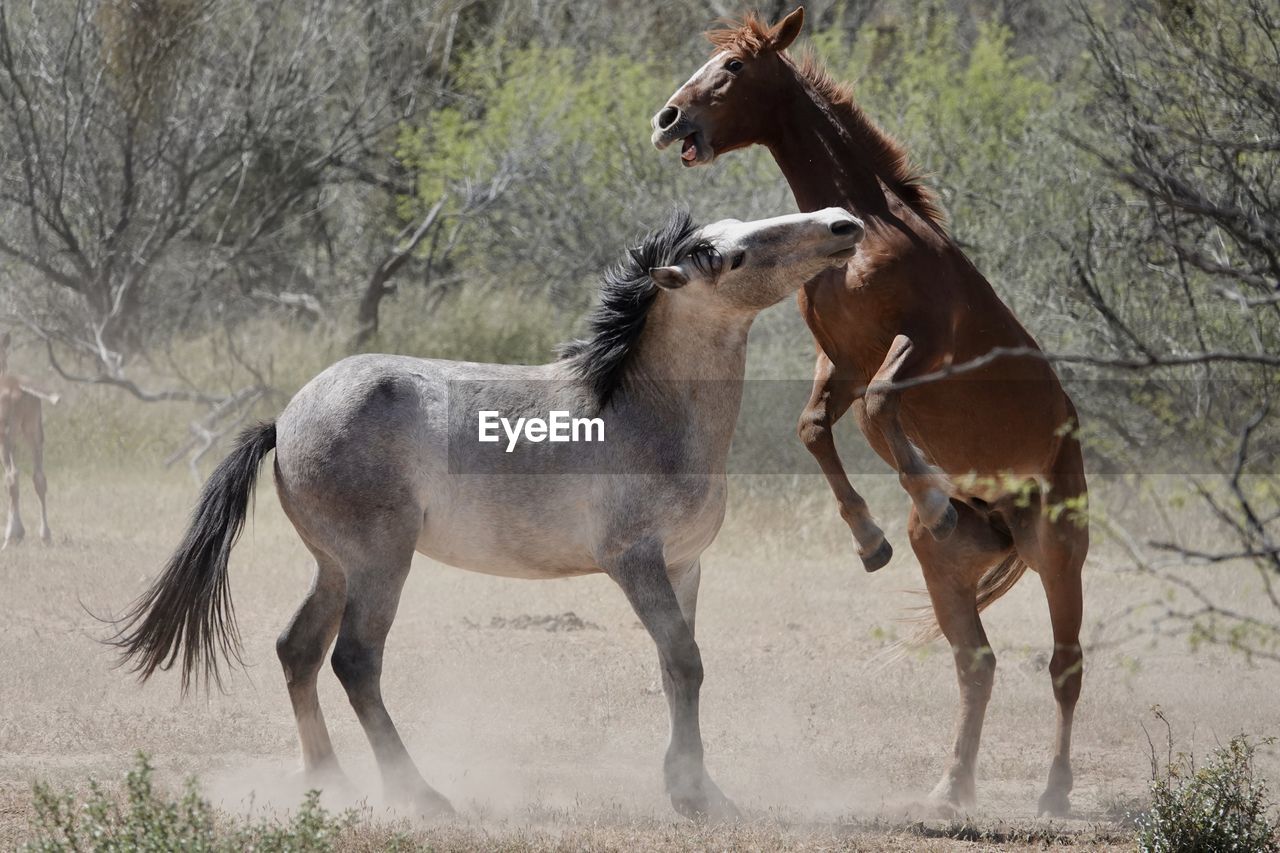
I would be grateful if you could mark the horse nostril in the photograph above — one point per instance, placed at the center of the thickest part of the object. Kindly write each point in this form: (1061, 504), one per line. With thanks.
(845, 227)
(668, 117)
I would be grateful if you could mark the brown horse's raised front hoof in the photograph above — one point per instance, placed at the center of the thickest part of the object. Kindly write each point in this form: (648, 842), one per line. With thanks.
(879, 558)
(945, 525)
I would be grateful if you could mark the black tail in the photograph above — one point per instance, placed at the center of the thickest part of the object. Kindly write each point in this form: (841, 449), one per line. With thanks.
(188, 611)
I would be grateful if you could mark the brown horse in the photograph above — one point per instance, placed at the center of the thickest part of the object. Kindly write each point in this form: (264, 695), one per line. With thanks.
(988, 458)
(20, 417)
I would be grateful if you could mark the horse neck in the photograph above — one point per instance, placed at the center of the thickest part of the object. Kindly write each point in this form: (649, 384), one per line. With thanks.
(821, 148)
(833, 156)
(689, 367)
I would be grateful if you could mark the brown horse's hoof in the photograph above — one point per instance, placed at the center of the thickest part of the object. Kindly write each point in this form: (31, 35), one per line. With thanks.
(879, 558)
(1054, 804)
(955, 792)
(945, 525)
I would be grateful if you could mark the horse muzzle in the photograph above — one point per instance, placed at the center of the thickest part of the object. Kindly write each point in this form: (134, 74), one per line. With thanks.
(673, 124)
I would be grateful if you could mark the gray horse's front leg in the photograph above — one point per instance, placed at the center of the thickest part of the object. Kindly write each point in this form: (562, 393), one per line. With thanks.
(14, 530)
(641, 571)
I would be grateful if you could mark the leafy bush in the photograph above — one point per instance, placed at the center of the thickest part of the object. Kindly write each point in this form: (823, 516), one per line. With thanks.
(572, 129)
(1218, 807)
(147, 820)
(473, 324)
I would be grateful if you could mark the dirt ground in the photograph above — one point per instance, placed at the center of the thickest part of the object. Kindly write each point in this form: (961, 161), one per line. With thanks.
(547, 730)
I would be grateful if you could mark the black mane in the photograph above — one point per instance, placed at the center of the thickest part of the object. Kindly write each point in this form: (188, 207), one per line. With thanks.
(626, 295)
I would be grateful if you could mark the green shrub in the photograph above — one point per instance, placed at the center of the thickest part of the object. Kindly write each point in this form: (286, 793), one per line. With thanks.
(147, 820)
(1218, 807)
(474, 324)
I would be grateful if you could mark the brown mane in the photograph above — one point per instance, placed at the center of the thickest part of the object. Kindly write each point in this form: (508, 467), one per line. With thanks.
(752, 37)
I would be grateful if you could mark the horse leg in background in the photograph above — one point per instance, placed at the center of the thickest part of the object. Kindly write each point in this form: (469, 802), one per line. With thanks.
(301, 649)
(831, 397)
(1055, 542)
(685, 583)
(14, 531)
(641, 572)
(376, 571)
(34, 429)
(924, 483)
(952, 570)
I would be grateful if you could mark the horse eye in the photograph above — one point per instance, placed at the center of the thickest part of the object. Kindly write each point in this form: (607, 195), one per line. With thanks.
(707, 260)
(734, 65)
(737, 260)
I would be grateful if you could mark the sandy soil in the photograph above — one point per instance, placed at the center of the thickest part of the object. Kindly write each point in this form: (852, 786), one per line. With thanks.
(549, 731)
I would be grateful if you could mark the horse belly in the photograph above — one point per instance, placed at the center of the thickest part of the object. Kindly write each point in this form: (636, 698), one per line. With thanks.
(980, 437)
(526, 537)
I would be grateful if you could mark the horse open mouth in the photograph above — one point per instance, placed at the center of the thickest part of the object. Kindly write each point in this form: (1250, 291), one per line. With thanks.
(689, 149)
(694, 150)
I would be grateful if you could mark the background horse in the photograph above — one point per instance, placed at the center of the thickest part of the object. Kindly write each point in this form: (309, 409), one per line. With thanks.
(377, 457)
(21, 418)
(910, 305)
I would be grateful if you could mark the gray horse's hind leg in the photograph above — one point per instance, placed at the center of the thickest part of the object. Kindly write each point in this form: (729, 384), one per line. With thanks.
(373, 593)
(301, 649)
(642, 573)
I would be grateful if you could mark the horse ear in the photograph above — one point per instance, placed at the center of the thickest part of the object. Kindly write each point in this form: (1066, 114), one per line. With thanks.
(786, 30)
(668, 278)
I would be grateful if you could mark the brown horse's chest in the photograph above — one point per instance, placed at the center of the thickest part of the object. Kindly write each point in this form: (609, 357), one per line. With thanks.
(854, 315)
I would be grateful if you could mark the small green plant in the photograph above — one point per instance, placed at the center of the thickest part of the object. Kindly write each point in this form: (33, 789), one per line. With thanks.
(144, 820)
(1220, 806)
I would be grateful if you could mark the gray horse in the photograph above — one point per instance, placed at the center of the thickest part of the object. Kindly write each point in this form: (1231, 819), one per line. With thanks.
(380, 456)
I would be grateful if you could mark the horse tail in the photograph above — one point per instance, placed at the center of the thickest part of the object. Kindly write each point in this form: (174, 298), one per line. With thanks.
(999, 579)
(187, 611)
(993, 584)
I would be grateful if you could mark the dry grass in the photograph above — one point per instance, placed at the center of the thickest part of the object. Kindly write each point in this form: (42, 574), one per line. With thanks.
(548, 739)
